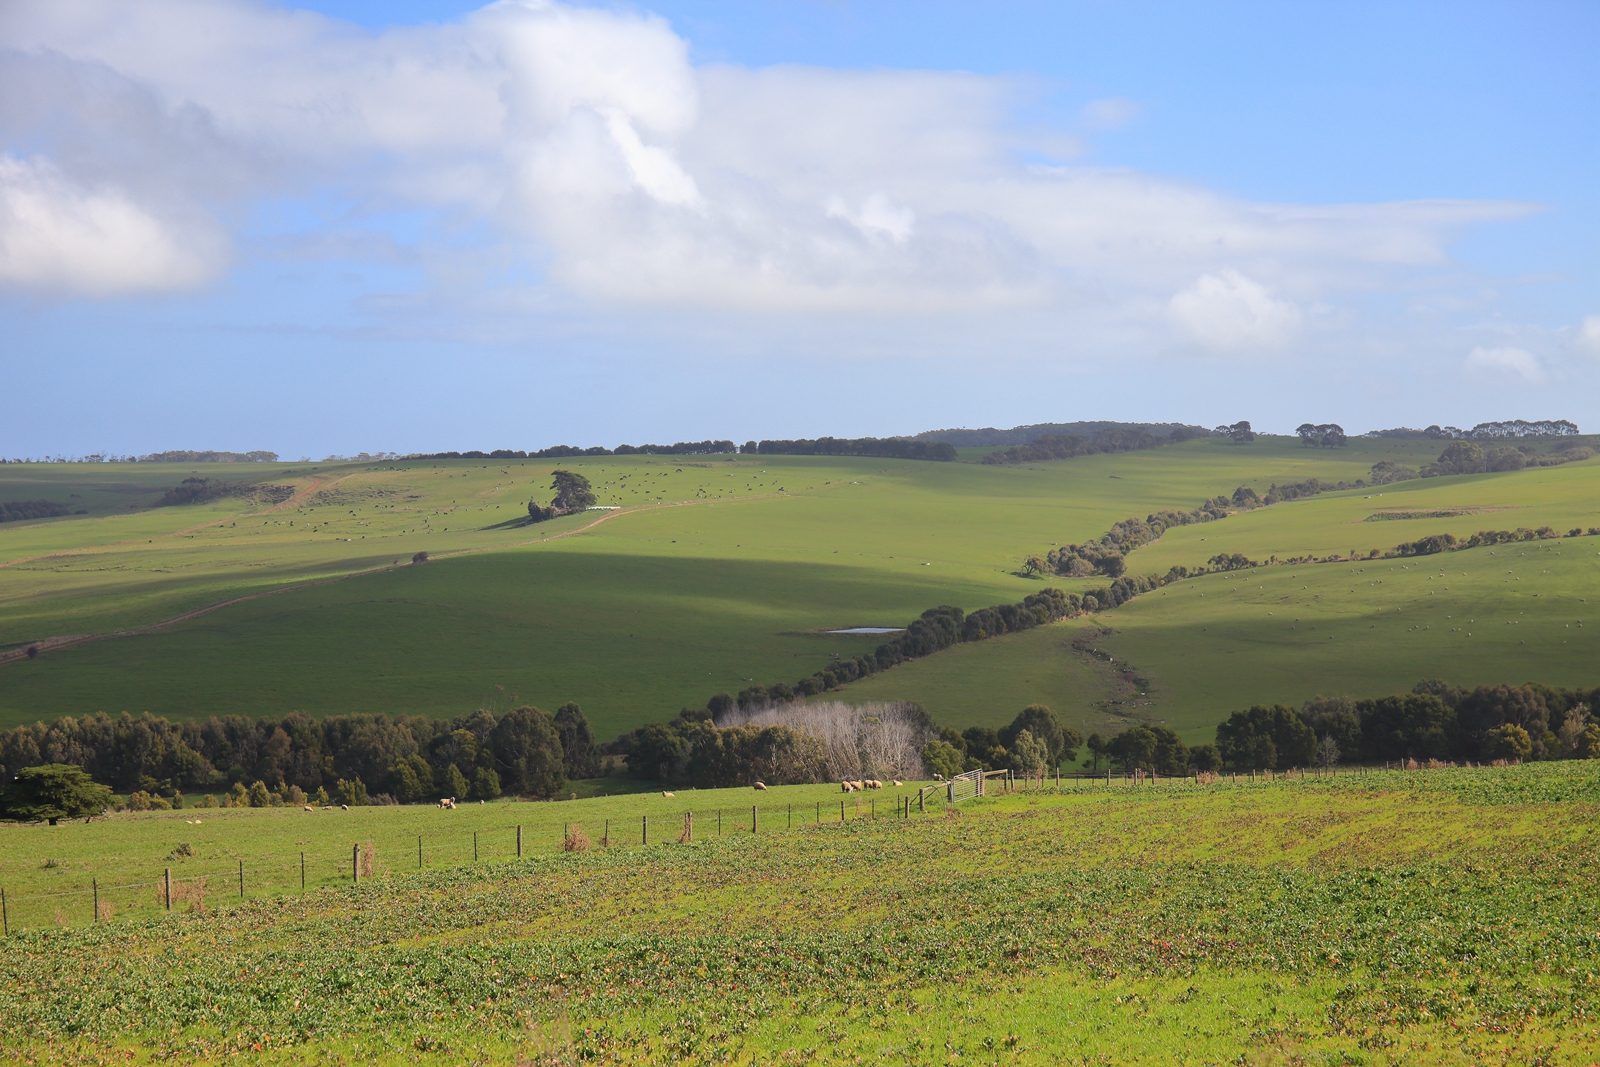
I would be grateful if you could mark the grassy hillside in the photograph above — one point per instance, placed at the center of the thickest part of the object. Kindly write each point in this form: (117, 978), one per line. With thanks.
(1416, 918)
(713, 572)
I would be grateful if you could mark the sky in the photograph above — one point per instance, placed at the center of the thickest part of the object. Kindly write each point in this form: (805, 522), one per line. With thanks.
(427, 225)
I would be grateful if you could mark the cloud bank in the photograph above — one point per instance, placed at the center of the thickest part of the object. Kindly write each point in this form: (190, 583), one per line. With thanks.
(137, 137)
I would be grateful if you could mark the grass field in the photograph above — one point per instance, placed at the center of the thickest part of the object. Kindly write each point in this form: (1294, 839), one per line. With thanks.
(1390, 918)
(717, 572)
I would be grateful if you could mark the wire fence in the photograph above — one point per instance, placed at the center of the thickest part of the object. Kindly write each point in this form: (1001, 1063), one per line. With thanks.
(201, 885)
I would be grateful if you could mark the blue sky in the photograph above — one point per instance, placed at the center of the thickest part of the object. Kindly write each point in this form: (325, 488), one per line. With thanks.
(413, 225)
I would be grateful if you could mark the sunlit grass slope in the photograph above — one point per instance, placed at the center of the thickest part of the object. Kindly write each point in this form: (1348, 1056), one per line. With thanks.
(714, 572)
(1399, 918)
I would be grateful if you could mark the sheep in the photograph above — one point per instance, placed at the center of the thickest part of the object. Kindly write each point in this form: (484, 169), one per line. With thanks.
(447, 802)
(310, 808)
(873, 783)
(761, 787)
(666, 794)
(898, 782)
(344, 807)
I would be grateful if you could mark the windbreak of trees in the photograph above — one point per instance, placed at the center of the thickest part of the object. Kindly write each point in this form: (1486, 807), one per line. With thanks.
(1466, 457)
(1068, 446)
(209, 457)
(203, 490)
(405, 758)
(1435, 721)
(1435, 543)
(1488, 431)
(682, 448)
(885, 447)
(17, 510)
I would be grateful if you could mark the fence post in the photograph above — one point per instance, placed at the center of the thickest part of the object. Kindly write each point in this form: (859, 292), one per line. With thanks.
(791, 817)
(355, 864)
(519, 841)
(95, 882)
(169, 888)
(302, 872)
(922, 801)
(873, 807)
(474, 846)
(841, 813)
(241, 879)
(644, 829)
(688, 826)
(819, 813)
(719, 822)
(5, 916)
(752, 818)
(419, 852)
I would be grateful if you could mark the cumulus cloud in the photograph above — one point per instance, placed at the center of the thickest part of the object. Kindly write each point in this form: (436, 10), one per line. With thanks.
(586, 140)
(1506, 363)
(1228, 312)
(1588, 336)
(55, 236)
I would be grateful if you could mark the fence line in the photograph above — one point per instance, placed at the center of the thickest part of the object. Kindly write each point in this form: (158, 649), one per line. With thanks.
(265, 877)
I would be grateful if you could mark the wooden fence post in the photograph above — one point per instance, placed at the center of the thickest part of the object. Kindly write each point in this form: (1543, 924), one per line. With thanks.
(169, 888)
(752, 818)
(841, 813)
(519, 841)
(241, 879)
(95, 882)
(419, 852)
(302, 872)
(5, 916)
(791, 817)
(719, 822)
(922, 801)
(644, 829)
(355, 864)
(474, 846)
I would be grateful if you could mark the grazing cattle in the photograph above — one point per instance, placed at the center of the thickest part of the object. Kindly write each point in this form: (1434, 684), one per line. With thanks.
(761, 787)
(666, 794)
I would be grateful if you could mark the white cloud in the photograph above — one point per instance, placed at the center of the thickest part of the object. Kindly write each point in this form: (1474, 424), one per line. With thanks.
(1112, 113)
(1228, 312)
(58, 237)
(1588, 338)
(1506, 362)
(584, 139)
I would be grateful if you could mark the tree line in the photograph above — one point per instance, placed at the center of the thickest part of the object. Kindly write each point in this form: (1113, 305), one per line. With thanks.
(209, 457)
(1467, 457)
(1322, 435)
(1446, 542)
(17, 510)
(1068, 446)
(525, 751)
(885, 447)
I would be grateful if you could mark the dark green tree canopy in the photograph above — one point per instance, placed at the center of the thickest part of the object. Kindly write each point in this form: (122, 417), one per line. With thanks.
(1061, 741)
(53, 791)
(527, 749)
(580, 754)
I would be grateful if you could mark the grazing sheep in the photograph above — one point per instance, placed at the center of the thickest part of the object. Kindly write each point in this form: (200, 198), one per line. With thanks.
(873, 783)
(761, 787)
(898, 782)
(666, 794)
(845, 787)
(447, 802)
(938, 777)
(858, 785)
(310, 808)
(344, 807)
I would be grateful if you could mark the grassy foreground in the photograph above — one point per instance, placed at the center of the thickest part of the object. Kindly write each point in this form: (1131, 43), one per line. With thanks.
(1429, 917)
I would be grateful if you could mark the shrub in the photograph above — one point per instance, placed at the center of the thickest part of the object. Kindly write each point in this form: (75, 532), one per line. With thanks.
(352, 792)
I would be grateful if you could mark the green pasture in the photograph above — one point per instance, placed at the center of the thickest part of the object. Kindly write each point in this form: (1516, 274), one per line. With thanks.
(1380, 918)
(715, 572)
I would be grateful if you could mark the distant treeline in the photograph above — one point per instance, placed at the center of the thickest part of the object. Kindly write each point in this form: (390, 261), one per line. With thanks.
(202, 490)
(210, 457)
(1484, 431)
(1445, 542)
(886, 447)
(1066, 446)
(17, 510)
(525, 751)
(989, 437)
(1435, 721)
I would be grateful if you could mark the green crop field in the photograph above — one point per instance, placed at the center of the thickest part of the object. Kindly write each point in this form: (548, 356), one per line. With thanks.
(1383, 918)
(716, 572)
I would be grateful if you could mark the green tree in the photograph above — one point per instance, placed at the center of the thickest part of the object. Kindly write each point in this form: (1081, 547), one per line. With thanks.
(1028, 753)
(239, 796)
(352, 792)
(51, 792)
(485, 784)
(527, 749)
(411, 779)
(1206, 758)
(1262, 736)
(1508, 742)
(455, 783)
(942, 759)
(580, 755)
(258, 795)
(1061, 742)
(573, 492)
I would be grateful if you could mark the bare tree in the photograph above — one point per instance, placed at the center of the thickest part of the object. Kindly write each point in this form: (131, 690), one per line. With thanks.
(856, 740)
(1327, 751)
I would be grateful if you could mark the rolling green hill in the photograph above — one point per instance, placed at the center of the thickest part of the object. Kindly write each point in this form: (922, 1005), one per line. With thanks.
(714, 571)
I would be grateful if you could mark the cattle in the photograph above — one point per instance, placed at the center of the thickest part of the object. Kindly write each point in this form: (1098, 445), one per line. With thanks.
(761, 787)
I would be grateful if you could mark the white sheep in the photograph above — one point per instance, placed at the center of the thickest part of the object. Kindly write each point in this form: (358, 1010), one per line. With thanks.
(761, 787)
(666, 794)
